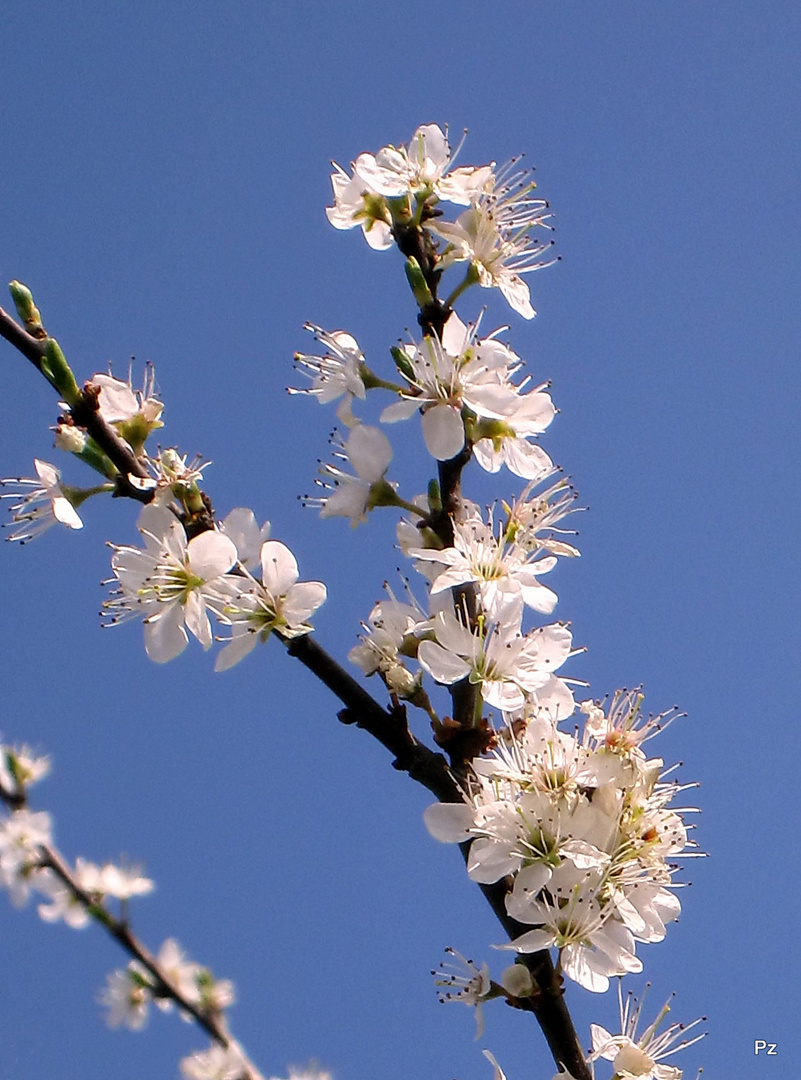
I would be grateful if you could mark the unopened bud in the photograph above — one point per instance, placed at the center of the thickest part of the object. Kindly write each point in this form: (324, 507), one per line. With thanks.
(418, 283)
(516, 980)
(70, 438)
(26, 309)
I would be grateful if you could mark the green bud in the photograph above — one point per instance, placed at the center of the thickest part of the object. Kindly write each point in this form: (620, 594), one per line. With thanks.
(418, 283)
(26, 309)
(434, 498)
(402, 362)
(58, 372)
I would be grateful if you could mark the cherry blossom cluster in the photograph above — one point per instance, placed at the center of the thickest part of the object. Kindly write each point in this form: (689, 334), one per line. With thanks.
(248, 582)
(400, 188)
(581, 825)
(577, 825)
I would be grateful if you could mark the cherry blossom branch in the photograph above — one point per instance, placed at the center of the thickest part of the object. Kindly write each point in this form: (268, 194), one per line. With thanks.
(85, 413)
(388, 726)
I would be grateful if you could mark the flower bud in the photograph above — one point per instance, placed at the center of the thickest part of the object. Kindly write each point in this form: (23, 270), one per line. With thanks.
(516, 981)
(26, 309)
(418, 283)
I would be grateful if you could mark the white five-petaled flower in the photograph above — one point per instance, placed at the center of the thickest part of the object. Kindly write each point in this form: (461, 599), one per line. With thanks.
(392, 626)
(509, 667)
(369, 452)
(21, 837)
(134, 413)
(127, 995)
(572, 917)
(216, 1063)
(418, 171)
(62, 903)
(459, 372)
(172, 474)
(506, 575)
(335, 374)
(278, 602)
(19, 767)
(172, 583)
(493, 235)
(464, 982)
(42, 502)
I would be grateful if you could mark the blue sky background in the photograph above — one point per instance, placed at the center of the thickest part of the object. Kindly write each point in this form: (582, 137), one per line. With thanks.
(164, 172)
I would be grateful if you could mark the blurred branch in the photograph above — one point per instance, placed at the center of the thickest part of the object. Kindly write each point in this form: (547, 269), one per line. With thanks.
(210, 1020)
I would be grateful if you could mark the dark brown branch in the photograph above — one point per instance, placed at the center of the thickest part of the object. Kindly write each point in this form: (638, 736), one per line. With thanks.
(32, 348)
(85, 414)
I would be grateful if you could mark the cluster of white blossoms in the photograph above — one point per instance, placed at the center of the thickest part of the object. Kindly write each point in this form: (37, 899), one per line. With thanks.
(581, 826)
(191, 569)
(79, 894)
(400, 187)
(512, 669)
(129, 993)
(246, 581)
(578, 824)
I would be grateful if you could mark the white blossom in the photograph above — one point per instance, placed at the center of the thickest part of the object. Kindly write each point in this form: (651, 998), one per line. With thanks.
(396, 180)
(462, 981)
(41, 503)
(127, 995)
(506, 665)
(181, 974)
(336, 374)
(216, 1063)
(505, 573)
(493, 235)
(278, 602)
(459, 372)
(240, 525)
(392, 626)
(172, 475)
(134, 413)
(20, 767)
(22, 836)
(62, 903)
(172, 582)
(369, 452)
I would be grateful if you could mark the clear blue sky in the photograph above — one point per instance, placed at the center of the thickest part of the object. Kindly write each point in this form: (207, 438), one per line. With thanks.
(164, 173)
